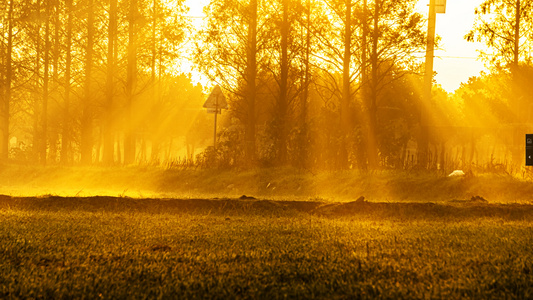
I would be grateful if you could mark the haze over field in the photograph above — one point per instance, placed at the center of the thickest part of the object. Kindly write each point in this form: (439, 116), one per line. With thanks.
(266, 149)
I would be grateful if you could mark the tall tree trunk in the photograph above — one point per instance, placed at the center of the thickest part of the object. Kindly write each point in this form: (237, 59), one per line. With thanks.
(65, 140)
(110, 91)
(304, 138)
(87, 113)
(53, 136)
(516, 48)
(283, 101)
(517, 152)
(346, 89)
(372, 148)
(37, 95)
(129, 142)
(251, 74)
(46, 91)
(154, 84)
(7, 85)
(361, 151)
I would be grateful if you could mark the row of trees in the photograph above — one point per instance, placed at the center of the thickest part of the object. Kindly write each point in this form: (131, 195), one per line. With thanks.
(337, 83)
(280, 59)
(328, 84)
(84, 80)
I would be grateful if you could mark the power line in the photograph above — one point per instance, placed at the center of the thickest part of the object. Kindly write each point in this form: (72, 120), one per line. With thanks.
(457, 57)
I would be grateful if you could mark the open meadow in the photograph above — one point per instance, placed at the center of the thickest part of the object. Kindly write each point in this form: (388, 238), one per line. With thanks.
(275, 149)
(112, 248)
(157, 233)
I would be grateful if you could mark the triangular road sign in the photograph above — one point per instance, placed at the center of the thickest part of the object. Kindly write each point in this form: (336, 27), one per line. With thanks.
(216, 100)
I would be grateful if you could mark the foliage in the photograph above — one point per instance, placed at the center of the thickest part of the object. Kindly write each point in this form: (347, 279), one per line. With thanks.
(309, 59)
(50, 112)
(300, 91)
(505, 26)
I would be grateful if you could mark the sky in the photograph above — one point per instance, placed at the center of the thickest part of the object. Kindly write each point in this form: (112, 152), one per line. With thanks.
(455, 61)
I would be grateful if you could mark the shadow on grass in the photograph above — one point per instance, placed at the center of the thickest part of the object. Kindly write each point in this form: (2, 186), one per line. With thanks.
(452, 210)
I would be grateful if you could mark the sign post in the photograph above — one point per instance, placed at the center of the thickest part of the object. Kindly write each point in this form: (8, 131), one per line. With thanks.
(215, 103)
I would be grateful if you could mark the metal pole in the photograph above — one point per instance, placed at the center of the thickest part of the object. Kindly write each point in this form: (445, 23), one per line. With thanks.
(215, 131)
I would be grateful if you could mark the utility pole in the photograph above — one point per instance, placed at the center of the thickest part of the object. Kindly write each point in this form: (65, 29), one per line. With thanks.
(428, 81)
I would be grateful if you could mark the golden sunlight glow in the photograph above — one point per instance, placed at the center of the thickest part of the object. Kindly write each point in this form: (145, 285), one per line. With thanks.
(456, 59)
(265, 149)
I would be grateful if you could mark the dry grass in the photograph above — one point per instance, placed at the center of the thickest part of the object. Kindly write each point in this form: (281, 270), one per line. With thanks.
(115, 248)
(274, 183)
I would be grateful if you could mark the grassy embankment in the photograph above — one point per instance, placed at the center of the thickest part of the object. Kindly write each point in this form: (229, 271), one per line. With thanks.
(398, 245)
(275, 183)
(114, 248)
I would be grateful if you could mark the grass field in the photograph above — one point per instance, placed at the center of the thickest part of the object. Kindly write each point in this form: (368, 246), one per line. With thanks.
(269, 183)
(114, 248)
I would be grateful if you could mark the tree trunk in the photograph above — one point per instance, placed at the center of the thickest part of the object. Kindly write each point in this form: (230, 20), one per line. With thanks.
(37, 95)
(251, 74)
(87, 113)
(156, 137)
(7, 85)
(129, 141)
(65, 141)
(346, 89)
(372, 149)
(283, 100)
(303, 138)
(516, 49)
(54, 136)
(361, 144)
(46, 92)
(109, 145)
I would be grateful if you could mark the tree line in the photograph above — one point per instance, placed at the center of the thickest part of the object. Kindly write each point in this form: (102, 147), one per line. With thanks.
(329, 84)
(82, 80)
(339, 84)
(306, 78)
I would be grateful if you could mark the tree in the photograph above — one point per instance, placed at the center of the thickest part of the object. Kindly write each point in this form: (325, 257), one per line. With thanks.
(380, 40)
(87, 107)
(110, 85)
(337, 35)
(227, 53)
(46, 90)
(131, 82)
(60, 92)
(303, 143)
(6, 79)
(283, 101)
(67, 130)
(506, 28)
(397, 35)
(288, 52)
(250, 78)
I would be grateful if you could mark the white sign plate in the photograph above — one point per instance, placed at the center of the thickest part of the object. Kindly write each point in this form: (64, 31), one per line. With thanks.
(216, 100)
